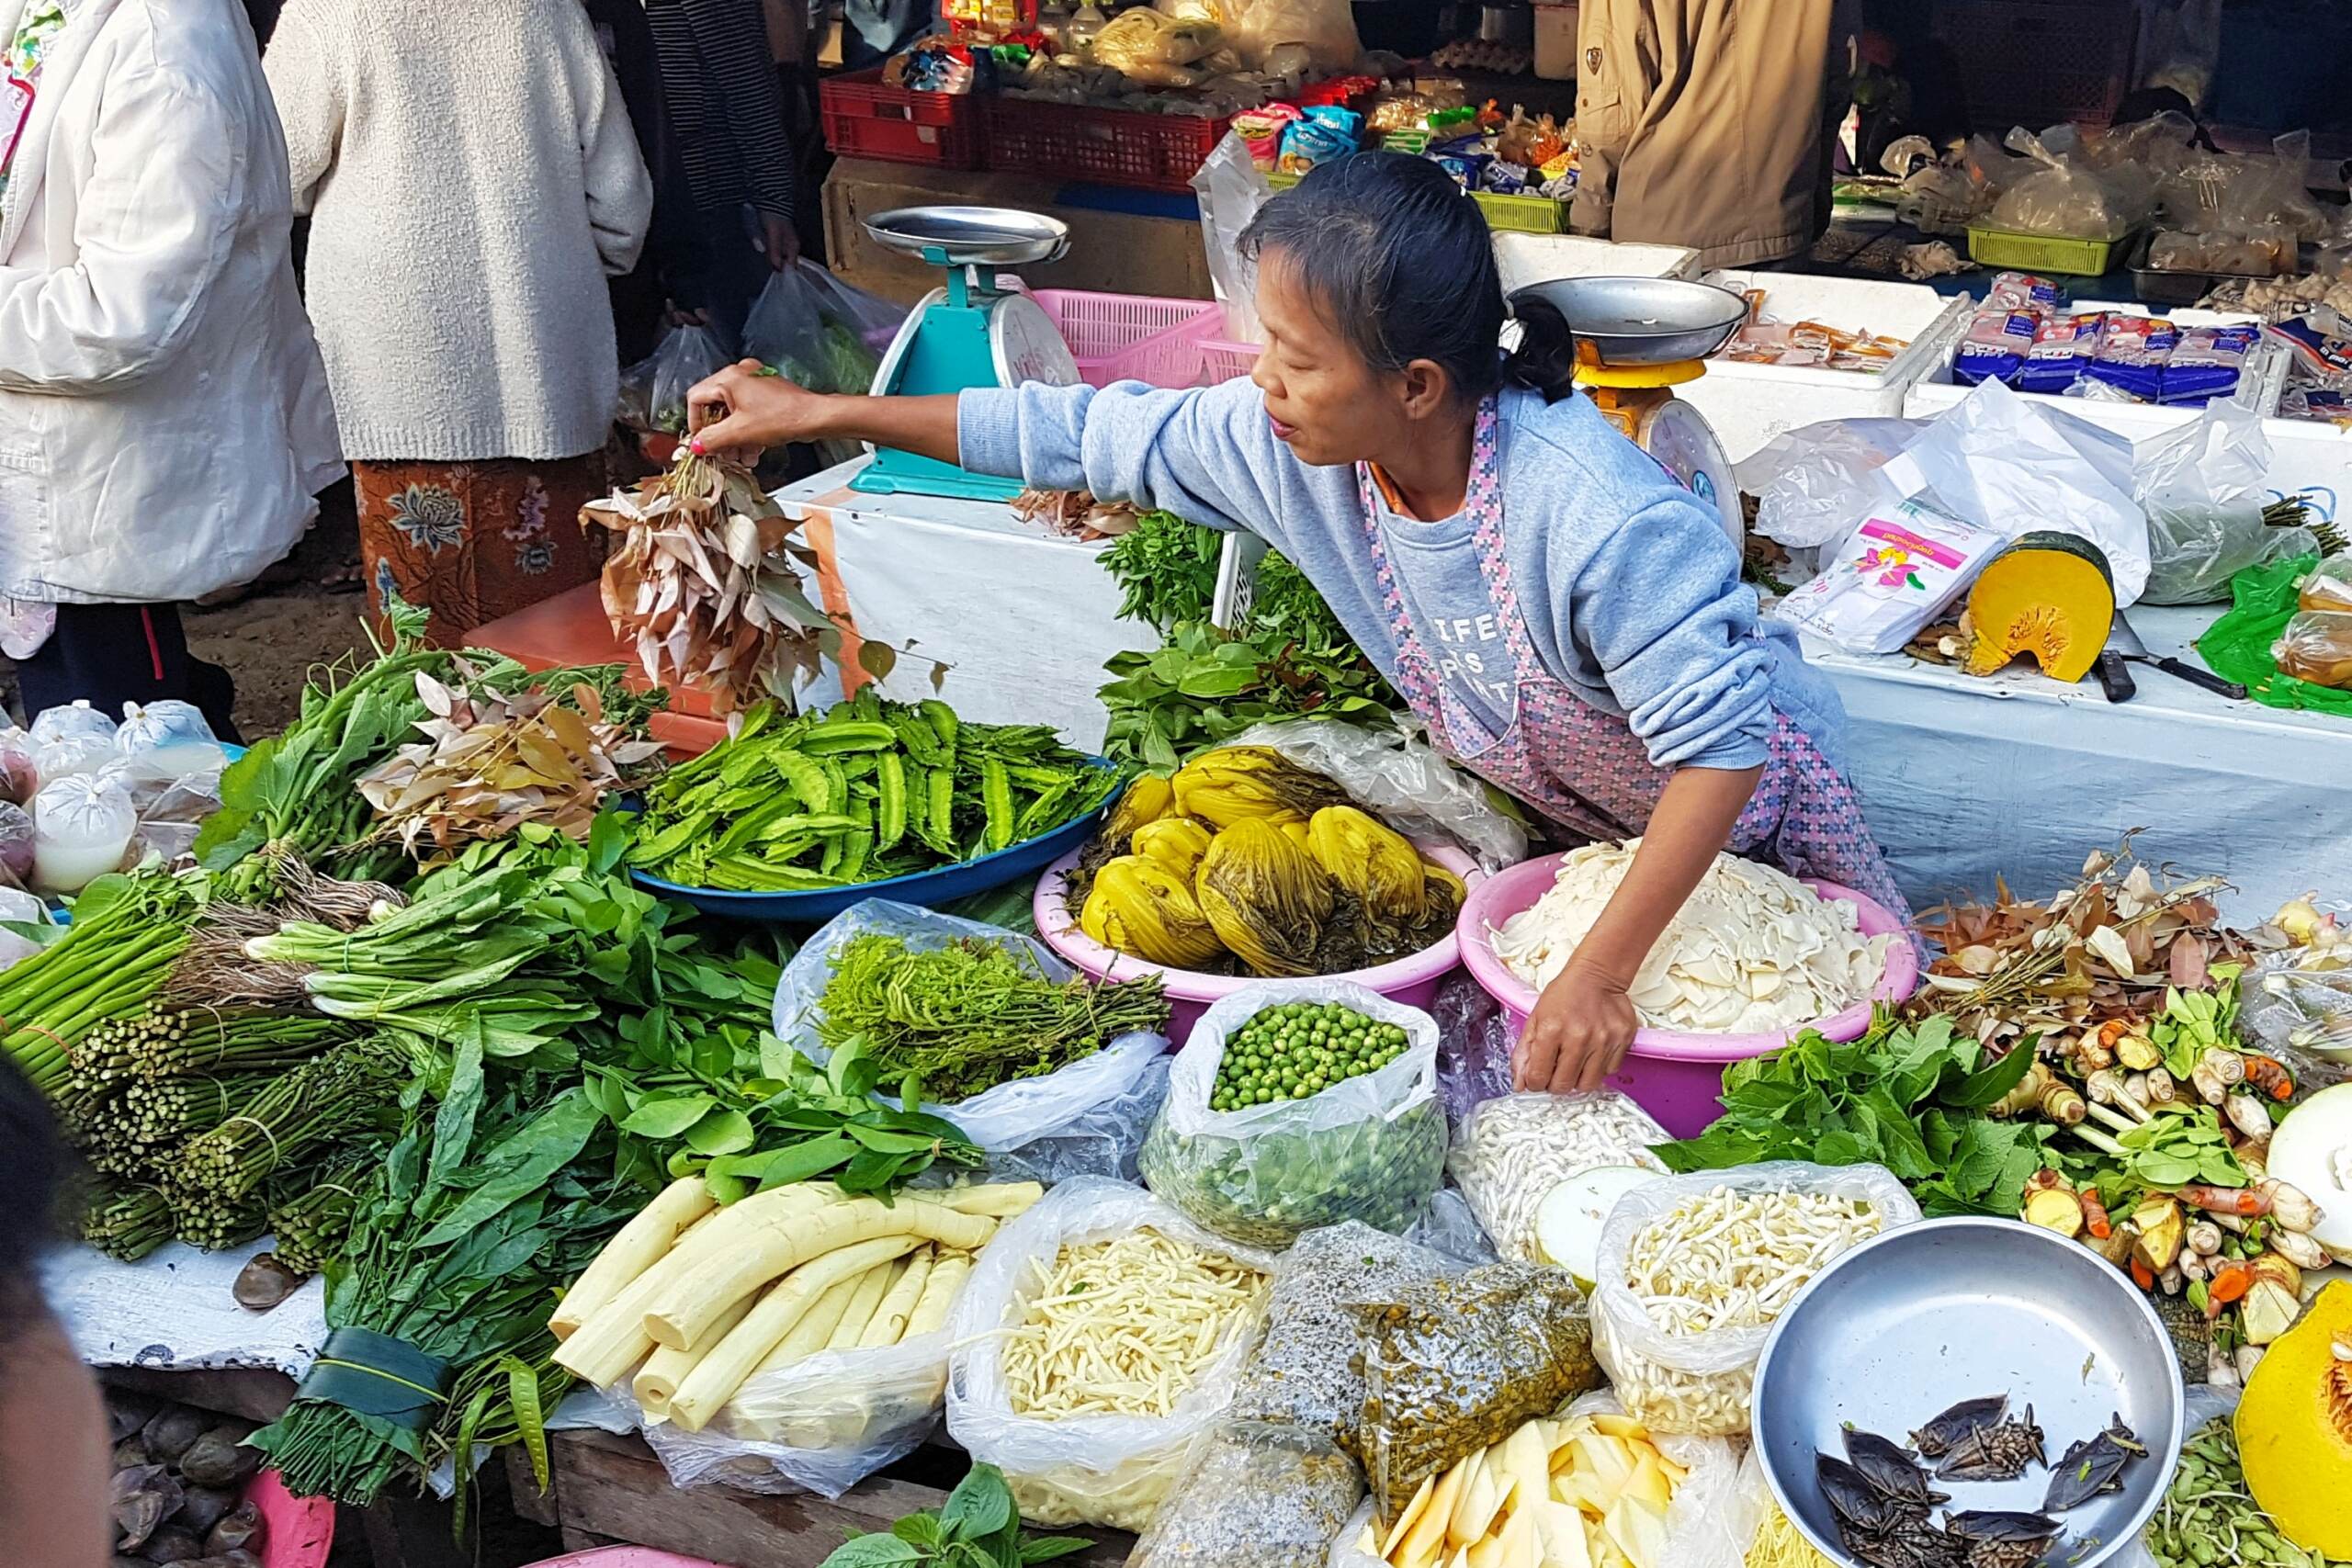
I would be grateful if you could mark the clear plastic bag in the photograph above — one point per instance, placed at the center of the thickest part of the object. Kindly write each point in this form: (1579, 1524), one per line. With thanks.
(81, 826)
(2316, 646)
(169, 739)
(74, 756)
(2328, 586)
(19, 771)
(822, 1425)
(1455, 1364)
(1815, 483)
(1324, 28)
(1305, 1372)
(2067, 196)
(75, 718)
(811, 328)
(1474, 1045)
(2202, 488)
(16, 842)
(1452, 1231)
(1699, 1383)
(1103, 1469)
(2303, 1016)
(685, 356)
(1370, 1147)
(1512, 1152)
(1254, 1495)
(1231, 188)
(1088, 1119)
(1402, 779)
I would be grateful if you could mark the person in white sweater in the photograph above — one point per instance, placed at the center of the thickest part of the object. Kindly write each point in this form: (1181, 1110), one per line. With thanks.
(471, 178)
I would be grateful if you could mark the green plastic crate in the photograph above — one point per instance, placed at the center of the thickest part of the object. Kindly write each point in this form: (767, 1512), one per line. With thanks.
(2040, 253)
(1519, 214)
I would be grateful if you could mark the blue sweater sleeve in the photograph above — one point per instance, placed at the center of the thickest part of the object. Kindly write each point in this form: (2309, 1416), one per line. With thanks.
(1206, 453)
(1662, 611)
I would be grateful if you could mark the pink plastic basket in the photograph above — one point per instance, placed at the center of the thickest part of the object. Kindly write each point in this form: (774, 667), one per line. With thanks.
(624, 1556)
(1130, 337)
(1412, 981)
(297, 1532)
(1676, 1078)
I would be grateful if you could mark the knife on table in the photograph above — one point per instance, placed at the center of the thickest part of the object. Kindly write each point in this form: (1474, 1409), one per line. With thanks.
(2124, 646)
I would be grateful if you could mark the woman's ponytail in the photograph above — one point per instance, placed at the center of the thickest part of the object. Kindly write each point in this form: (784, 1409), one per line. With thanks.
(1545, 359)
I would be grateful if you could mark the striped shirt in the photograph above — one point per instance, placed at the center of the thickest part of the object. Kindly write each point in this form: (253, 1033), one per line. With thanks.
(718, 80)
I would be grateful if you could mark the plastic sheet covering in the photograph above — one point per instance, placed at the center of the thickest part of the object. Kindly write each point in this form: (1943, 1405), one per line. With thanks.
(1370, 1147)
(1455, 1364)
(1104, 1470)
(1701, 1384)
(1402, 779)
(1306, 1372)
(1254, 1495)
(1512, 1152)
(1088, 1119)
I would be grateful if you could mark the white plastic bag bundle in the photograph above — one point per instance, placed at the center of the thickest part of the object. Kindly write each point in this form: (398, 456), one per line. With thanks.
(1088, 1119)
(168, 739)
(1369, 1148)
(1402, 779)
(19, 907)
(74, 757)
(81, 826)
(1709, 1520)
(2009, 464)
(1105, 1470)
(1701, 1384)
(75, 718)
(1813, 484)
(2202, 489)
(20, 766)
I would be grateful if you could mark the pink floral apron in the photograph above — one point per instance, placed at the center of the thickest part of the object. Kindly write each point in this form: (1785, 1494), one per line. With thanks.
(1587, 768)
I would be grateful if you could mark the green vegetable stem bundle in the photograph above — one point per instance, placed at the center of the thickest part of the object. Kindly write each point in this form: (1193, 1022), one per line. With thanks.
(867, 791)
(127, 931)
(969, 1015)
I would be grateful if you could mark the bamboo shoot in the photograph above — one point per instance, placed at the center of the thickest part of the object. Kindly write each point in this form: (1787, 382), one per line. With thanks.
(938, 1294)
(811, 1333)
(664, 1369)
(997, 1200)
(860, 1312)
(717, 1376)
(639, 1246)
(891, 1318)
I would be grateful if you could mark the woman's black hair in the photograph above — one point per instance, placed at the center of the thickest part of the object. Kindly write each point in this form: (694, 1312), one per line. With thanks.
(1400, 262)
(34, 1168)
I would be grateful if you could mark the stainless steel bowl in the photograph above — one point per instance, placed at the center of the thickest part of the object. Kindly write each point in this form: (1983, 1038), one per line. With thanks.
(1914, 1321)
(1642, 320)
(1001, 236)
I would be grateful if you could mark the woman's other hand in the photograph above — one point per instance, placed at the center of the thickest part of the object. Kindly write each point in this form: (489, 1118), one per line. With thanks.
(779, 240)
(1579, 1034)
(746, 408)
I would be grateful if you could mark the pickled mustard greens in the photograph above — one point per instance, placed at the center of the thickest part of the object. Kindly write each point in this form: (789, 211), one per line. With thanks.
(1298, 1049)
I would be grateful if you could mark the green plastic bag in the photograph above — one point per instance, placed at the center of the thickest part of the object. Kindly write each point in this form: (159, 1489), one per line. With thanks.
(2238, 646)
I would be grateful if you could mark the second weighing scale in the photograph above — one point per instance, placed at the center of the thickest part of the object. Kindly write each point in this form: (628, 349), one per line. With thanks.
(979, 329)
(1636, 339)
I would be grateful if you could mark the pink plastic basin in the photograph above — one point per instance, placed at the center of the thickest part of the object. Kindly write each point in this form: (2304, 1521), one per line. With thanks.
(1675, 1077)
(1413, 980)
(624, 1556)
(297, 1532)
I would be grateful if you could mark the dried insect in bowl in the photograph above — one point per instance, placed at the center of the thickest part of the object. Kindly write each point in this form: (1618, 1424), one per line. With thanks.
(1996, 1450)
(2092, 1466)
(1890, 1468)
(1935, 1439)
(2002, 1540)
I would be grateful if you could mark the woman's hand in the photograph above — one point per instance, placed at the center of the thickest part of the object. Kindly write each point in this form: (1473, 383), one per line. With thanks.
(745, 409)
(779, 240)
(1579, 1034)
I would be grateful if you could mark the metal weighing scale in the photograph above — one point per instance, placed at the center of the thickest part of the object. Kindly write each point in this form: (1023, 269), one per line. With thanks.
(977, 331)
(1637, 339)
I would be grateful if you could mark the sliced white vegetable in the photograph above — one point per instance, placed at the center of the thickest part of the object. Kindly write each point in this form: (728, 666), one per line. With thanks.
(2311, 1152)
(1569, 1221)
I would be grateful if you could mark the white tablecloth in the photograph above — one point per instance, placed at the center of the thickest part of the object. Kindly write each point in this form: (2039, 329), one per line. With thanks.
(1965, 778)
(172, 1310)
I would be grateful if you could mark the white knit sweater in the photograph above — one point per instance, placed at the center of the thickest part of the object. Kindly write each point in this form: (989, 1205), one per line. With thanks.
(471, 175)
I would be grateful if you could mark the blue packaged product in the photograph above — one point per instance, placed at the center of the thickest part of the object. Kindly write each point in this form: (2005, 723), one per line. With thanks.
(2206, 362)
(2061, 346)
(2024, 291)
(1505, 178)
(1326, 131)
(2131, 355)
(2320, 352)
(1995, 346)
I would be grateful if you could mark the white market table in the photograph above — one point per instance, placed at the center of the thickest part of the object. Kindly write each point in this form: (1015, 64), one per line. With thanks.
(1964, 778)
(1022, 618)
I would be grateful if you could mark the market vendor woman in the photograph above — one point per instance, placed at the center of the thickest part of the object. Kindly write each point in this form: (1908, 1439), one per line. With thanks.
(1569, 621)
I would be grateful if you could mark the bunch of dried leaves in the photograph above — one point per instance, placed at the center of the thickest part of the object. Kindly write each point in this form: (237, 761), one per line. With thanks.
(702, 585)
(2105, 948)
(491, 762)
(1075, 513)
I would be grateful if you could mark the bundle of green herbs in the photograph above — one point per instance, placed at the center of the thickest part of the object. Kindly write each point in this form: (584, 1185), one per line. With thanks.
(106, 965)
(1913, 1097)
(969, 1015)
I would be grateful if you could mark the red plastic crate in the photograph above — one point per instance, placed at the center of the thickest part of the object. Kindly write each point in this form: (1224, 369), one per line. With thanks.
(571, 629)
(1114, 147)
(865, 119)
(2040, 62)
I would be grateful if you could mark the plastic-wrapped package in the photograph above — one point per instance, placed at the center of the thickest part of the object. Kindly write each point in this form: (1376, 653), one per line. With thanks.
(2202, 488)
(1254, 1495)
(2316, 646)
(1305, 1372)
(2327, 587)
(19, 772)
(169, 739)
(1088, 1119)
(1474, 1045)
(74, 718)
(18, 838)
(1230, 186)
(1656, 1302)
(1512, 1152)
(81, 826)
(1453, 1364)
(1106, 1469)
(2062, 198)
(1452, 1231)
(74, 756)
(1891, 576)
(1813, 484)
(1370, 1147)
(1402, 779)
(1326, 28)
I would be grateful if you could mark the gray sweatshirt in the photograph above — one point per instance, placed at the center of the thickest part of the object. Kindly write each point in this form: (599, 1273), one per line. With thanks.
(1630, 587)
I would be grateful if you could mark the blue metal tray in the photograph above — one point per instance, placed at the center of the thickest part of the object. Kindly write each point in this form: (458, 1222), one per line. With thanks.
(927, 888)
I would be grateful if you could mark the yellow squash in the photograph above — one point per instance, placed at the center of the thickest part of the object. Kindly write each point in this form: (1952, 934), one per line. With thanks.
(2294, 1428)
(2050, 595)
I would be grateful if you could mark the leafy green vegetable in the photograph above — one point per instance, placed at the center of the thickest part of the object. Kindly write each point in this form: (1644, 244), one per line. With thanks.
(975, 1528)
(1909, 1097)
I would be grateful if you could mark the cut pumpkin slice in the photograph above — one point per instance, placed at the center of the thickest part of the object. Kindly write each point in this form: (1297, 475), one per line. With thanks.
(2050, 596)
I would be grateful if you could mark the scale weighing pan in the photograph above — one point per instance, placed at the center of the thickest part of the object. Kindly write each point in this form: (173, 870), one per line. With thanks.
(988, 236)
(1642, 320)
